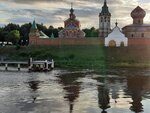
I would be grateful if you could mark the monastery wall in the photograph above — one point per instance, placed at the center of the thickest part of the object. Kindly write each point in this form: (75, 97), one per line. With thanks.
(139, 41)
(83, 41)
(67, 41)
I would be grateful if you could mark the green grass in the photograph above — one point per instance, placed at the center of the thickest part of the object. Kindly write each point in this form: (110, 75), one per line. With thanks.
(66, 56)
(91, 57)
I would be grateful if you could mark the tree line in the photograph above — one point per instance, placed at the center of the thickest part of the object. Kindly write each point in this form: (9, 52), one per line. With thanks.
(19, 34)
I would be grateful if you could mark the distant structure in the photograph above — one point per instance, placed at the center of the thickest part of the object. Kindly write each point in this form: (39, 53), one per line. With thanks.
(35, 34)
(116, 38)
(138, 29)
(104, 21)
(71, 27)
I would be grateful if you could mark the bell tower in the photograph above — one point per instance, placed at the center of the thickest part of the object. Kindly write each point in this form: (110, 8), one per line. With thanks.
(104, 21)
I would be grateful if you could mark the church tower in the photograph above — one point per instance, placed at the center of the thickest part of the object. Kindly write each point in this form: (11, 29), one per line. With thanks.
(34, 34)
(104, 21)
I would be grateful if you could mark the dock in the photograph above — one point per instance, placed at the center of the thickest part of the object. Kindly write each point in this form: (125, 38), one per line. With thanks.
(30, 64)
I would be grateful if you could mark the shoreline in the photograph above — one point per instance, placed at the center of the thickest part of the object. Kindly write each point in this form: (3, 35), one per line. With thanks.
(93, 57)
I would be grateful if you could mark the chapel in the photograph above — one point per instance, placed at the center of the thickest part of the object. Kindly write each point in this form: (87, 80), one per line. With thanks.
(116, 38)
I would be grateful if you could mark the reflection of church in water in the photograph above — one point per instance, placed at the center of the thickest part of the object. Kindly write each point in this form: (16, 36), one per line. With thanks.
(71, 87)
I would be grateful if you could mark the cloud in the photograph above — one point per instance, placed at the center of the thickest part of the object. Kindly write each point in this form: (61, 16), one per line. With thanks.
(54, 12)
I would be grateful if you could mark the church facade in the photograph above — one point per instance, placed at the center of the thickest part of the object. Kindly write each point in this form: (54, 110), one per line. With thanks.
(116, 38)
(71, 27)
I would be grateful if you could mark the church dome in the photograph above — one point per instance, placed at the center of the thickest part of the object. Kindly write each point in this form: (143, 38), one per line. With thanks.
(138, 12)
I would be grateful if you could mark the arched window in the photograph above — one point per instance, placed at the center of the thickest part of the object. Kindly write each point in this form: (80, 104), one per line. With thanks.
(122, 44)
(112, 43)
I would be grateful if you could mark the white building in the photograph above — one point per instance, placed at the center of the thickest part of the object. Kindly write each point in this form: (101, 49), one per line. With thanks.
(116, 38)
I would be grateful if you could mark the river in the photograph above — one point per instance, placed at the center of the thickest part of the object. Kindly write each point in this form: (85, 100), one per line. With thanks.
(86, 91)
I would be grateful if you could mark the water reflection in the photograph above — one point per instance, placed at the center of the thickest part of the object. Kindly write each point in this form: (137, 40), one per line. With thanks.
(137, 88)
(29, 97)
(103, 98)
(71, 87)
(76, 92)
(34, 86)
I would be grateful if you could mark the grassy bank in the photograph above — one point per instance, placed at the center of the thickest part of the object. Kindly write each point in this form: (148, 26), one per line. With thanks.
(66, 56)
(93, 57)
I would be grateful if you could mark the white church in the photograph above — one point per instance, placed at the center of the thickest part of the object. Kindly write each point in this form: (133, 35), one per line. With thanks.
(114, 37)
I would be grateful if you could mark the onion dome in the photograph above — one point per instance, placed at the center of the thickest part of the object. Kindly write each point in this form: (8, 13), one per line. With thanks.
(138, 12)
(72, 15)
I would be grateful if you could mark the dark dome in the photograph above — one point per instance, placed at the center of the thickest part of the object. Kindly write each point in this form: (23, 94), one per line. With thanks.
(138, 12)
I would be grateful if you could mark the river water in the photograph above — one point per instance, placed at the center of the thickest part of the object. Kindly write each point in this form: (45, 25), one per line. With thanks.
(86, 91)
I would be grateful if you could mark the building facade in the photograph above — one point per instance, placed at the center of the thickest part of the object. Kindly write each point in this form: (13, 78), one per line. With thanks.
(71, 27)
(104, 21)
(138, 29)
(116, 38)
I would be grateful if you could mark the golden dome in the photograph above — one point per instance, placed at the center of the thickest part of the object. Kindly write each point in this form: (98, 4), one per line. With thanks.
(138, 12)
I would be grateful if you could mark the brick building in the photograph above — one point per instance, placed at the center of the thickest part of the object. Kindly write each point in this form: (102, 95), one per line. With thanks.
(138, 29)
(71, 27)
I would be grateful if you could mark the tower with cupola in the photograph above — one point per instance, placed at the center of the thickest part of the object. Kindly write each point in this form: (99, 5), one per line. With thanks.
(104, 21)
(138, 29)
(71, 27)
(34, 34)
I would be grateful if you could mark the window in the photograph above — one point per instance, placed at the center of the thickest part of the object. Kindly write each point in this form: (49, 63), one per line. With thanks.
(132, 35)
(142, 35)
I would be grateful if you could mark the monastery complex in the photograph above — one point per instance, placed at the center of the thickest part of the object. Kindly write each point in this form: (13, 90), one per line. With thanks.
(137, 33)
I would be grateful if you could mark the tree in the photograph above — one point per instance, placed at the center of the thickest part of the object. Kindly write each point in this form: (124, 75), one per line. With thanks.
(2, 39)
(11, 27)
(24, 33)
(91, 33)
(14, 36)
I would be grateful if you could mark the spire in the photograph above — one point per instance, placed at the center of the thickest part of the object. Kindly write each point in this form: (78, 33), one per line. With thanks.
(105, 10)
(116, 23)
(72, 15)
(34, 26)
(71, 5)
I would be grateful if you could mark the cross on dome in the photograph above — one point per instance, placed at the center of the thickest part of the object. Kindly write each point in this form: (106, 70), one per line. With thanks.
(116, 23)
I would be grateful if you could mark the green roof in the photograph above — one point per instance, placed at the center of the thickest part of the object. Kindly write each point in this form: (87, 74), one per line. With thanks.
(43, 35)
(52, 36)
(34, 26)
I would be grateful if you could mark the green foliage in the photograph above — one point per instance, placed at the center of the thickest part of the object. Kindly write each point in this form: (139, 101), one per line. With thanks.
(90, 33)
(17, 47)
(11, 27)
(24, 30)
(13, 36)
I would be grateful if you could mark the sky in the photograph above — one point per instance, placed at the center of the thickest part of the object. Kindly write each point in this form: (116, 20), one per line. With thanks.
(55, 12)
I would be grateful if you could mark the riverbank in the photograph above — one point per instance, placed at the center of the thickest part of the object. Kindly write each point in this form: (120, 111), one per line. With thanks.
(93, 57)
